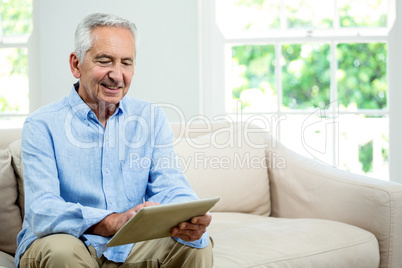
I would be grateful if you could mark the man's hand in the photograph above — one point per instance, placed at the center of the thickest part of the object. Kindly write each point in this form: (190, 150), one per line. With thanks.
(112, 223)
(193, 230)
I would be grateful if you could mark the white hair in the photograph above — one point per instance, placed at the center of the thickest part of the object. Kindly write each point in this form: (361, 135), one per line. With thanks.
(83, 38)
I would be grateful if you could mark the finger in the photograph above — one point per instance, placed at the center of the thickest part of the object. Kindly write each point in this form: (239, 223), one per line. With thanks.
(150, 204)
(190, 232)
(187, 235)
(204, 220)
(176, 231)
(130, 213)
(185, 238)
(145, 204)
(190, 226)
(137, 208)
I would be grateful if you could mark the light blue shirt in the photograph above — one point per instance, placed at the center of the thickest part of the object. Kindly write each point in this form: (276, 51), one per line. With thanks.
(76, 172)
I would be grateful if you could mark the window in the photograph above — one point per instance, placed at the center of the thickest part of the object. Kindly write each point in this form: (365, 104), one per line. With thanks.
(317, 70)
(15, 28)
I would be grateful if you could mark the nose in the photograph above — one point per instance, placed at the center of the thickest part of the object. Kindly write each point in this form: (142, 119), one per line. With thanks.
(116, 73)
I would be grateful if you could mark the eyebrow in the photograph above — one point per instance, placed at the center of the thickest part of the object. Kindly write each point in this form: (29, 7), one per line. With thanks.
(103, 56)
(128, 58)
(110, 57)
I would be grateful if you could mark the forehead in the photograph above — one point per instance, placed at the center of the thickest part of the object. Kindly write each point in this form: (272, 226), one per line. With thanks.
(113, 40)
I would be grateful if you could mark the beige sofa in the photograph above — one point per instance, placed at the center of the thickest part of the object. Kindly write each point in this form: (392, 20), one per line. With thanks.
(277, 208)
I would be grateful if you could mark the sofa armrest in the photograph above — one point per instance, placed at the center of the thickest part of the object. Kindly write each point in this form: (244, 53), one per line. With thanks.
(305, 188)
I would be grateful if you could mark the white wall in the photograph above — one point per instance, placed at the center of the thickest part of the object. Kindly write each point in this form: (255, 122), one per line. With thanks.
(167, 61)
(395, 97)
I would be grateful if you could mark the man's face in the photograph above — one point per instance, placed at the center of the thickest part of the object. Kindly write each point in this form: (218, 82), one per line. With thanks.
(108, 66)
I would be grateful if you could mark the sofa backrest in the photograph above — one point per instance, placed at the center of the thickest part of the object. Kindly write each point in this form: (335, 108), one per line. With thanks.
(226, 159)
(9, 135)
(222, 159)
(10, 141)
(10, 187)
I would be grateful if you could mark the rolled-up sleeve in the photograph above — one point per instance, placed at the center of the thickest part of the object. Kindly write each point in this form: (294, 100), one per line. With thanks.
(167, 183)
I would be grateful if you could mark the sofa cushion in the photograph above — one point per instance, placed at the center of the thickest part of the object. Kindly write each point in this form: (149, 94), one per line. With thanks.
(6, 261)
(244, 240)
(10, 215)
(15, 148)
(223, 163)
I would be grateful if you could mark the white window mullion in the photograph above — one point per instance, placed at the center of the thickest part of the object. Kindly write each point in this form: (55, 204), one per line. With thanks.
(334, 82)
(228, 76)
(336, 15)
(278, 78)
(334, 105)
(282, 17)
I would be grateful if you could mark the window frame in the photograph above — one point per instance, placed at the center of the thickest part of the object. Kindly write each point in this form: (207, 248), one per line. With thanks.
(25, 41)
(214, 69)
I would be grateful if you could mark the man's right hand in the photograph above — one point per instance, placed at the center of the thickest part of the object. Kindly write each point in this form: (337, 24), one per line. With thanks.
(112, 223)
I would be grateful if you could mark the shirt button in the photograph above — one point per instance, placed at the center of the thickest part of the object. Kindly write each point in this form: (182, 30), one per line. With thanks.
(106, 170)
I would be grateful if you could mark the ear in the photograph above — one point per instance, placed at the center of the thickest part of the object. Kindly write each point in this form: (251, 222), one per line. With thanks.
(75, 65)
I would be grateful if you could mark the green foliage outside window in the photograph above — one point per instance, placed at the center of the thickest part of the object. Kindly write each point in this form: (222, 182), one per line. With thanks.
(307, 84)
(362, 79)
(361, 74)
(4, 106)
(16, 17)
(258, 71)
(366, 156)
(15, 27)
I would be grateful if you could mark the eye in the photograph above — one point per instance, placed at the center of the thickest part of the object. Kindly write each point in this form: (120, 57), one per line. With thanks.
(103, 62)
(127, 63)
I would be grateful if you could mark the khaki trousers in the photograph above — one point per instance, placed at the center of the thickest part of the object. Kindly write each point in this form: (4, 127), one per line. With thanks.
(62, 250)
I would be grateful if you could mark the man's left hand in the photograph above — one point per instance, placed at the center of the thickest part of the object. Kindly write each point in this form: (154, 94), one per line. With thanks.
(193, 230)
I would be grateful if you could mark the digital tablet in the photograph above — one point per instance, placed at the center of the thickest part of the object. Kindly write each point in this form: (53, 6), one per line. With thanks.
(157, 221)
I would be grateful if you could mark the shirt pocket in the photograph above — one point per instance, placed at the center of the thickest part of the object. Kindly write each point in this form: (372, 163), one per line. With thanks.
(135, 177)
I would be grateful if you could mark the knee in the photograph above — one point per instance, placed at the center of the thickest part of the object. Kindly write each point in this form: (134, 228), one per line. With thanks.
(61, 249)
(202, 257)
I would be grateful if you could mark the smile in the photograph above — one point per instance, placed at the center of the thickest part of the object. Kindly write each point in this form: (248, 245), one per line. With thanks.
(111, 87)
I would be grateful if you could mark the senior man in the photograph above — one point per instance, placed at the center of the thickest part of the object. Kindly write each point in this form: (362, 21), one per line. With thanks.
(92, 160)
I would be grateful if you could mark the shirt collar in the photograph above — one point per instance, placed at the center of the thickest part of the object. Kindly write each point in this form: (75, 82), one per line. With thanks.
(82, 110)
(122, 107)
